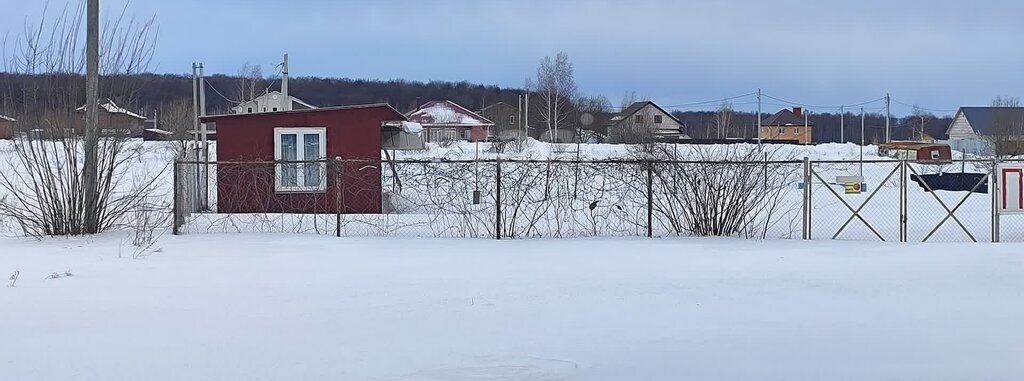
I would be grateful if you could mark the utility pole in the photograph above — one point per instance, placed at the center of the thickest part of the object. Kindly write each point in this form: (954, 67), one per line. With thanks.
(887, 136)
(758, 132)
(526, 115)
(205, 147)
(862, 142)
(90, 169)
(287, 105)
(202, 107)
(195, 101)
(842, 125)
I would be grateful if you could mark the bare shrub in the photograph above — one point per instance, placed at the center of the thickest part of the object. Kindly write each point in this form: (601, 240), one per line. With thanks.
(722, 190)
(52, 189)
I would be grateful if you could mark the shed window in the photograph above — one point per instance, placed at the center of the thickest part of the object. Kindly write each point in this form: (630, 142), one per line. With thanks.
(657, 119)
(512, 119)
(275, 109)
(250, 111)
(301, 153)
(935, 154)
(637, 119)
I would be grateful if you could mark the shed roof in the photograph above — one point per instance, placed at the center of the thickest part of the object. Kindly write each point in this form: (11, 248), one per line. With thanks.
(215, 118)
(636, 107)
(7, 118)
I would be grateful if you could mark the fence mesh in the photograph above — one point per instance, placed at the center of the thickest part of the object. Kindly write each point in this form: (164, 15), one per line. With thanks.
(847, 200)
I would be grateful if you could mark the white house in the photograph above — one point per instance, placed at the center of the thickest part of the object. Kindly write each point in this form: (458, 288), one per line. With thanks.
(270, 102)
(649, 115)
(973, 127)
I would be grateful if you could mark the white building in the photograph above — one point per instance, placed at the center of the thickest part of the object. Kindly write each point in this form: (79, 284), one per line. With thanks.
(270, 102)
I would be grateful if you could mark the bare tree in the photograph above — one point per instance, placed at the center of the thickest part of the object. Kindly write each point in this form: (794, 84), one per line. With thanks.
(594, 104)
(628, 99)
(60, 182)
(918, 122)
(556, 88)
(176, 117)
(723, 120)
(249, 82)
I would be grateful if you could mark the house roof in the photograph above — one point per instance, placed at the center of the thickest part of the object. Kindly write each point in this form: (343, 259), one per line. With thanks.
(268, 95)
(113, 108)
(633, 109)
(497, 105)
(7, 118)
(215, 118)
(447, 113)
(784, 117)
(982, 119)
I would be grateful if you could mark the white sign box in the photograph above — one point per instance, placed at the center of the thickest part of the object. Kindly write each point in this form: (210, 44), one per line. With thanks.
(1011, 188)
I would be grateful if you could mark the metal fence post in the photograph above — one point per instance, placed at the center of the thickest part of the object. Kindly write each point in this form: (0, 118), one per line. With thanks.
(175, 207)
(903, 201)
(497, 199)
(807, 199)
(650, 199)
(994, 189)
(338, 205)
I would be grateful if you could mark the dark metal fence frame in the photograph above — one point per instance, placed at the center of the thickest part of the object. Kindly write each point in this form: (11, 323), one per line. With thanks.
(182, 207)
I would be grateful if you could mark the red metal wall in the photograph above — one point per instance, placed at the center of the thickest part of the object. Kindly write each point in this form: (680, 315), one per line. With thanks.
(925, 153)
(352, 134)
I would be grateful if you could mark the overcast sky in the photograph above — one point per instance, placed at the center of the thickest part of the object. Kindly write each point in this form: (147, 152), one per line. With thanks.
(939, 53)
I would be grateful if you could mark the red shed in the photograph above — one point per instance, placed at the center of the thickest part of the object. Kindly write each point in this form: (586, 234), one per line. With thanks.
(936, 152)
(253, 151)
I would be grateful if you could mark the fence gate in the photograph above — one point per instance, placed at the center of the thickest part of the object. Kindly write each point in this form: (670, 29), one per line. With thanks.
(854, 200)
(949, 201)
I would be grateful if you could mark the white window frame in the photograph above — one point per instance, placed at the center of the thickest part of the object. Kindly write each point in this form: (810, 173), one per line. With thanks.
(300, 156)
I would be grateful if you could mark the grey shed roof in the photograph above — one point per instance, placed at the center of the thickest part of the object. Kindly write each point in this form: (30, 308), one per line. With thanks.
(983, 119)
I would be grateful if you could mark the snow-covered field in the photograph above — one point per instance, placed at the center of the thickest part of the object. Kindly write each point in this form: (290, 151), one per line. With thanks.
(302, 307)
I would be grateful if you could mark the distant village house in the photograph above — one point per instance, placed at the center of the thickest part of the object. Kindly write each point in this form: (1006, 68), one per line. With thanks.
(645, 119)
(7, 127)
(787, 125)
(270, 102)
(114, 120)
(987, 130)
(445, 121)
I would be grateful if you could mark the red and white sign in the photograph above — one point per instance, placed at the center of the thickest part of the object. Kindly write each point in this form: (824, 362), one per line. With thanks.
(1011, 188)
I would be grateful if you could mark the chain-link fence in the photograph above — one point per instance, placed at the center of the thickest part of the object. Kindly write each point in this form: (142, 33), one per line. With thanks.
(888, 200)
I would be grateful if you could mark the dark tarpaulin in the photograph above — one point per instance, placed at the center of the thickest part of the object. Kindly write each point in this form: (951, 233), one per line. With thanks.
(956, 182)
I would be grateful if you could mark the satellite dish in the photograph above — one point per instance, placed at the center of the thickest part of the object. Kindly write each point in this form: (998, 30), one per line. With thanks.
(587, 119)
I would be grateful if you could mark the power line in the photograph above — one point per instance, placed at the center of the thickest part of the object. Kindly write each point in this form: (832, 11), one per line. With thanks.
(923, 108)
(221, 94)
(824, 107)
(703, 103)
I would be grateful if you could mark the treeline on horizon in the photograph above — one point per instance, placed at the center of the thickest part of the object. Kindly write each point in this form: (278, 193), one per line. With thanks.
(225, 91)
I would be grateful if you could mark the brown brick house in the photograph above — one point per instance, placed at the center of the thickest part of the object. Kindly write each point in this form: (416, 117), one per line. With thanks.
(114, 120)
(787, 125)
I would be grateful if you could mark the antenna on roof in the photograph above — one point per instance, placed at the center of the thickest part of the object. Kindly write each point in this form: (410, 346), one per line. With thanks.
(287, 105)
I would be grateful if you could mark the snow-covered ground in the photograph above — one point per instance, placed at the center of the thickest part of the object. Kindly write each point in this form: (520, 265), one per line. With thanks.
(302, 307)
